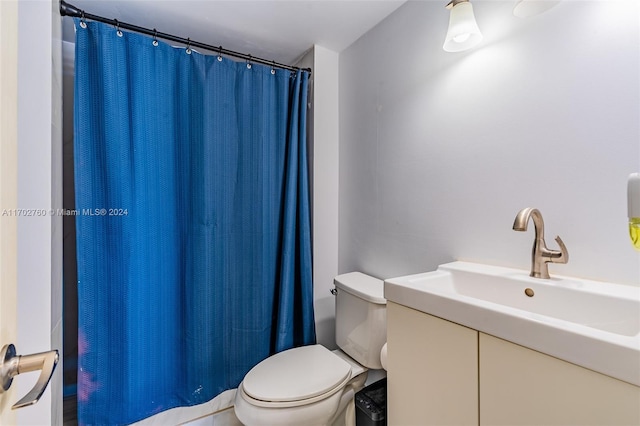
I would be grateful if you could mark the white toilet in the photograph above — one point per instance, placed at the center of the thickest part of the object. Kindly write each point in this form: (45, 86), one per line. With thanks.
(312, 385)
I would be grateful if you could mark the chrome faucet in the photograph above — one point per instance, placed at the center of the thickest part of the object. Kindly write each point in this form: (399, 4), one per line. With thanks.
(540, 254)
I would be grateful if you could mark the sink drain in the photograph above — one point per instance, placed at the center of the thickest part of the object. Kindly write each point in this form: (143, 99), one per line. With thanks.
(529, 292)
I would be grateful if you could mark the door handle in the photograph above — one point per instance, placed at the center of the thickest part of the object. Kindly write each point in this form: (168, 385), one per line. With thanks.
(13, 364)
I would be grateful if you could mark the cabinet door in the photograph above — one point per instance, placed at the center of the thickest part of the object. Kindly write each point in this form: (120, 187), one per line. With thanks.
(432, 370)
(519, 386)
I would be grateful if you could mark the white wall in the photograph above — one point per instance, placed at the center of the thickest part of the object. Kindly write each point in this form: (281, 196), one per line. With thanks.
(325, 191)
(323, 153)
(439, 151)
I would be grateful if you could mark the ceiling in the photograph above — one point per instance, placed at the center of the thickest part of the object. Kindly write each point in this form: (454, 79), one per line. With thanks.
(279, 30)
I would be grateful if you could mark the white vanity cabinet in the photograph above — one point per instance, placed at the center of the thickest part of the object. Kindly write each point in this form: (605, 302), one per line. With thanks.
(442, 373)
(432, 370)
(519, 386)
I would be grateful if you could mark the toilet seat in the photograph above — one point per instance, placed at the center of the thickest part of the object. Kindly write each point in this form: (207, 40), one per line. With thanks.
(295, 377)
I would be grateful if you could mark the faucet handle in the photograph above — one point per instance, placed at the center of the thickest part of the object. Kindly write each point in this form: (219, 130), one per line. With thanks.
(561, 256)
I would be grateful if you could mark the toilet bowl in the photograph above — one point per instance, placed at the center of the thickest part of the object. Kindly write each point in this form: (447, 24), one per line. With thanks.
(311, 385)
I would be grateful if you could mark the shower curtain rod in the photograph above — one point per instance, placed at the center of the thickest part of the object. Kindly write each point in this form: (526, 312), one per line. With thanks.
(67, 9)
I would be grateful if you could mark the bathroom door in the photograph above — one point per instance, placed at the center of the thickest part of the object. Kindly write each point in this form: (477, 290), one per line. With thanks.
(22, 316)
(8, 186)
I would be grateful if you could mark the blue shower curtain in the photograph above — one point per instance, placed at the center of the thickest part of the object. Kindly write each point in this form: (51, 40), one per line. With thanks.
(193, 235)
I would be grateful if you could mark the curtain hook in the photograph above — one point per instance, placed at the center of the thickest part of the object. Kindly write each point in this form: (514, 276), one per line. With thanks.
(188, 46)
(249, 62)
(155, 37)
(273, 69)
(83, 23)
(118, 28)
(220, 53)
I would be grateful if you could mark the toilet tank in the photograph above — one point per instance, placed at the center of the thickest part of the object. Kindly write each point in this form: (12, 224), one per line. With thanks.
(361, 317)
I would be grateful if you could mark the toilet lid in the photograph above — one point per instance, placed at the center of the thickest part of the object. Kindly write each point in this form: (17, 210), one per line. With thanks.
(296, 374)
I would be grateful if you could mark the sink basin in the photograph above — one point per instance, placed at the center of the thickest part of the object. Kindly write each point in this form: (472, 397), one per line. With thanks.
(562, 298)
(589, 323)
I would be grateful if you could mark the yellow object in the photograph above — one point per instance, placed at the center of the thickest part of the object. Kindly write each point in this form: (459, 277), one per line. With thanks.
(634, 232)
(633, 202)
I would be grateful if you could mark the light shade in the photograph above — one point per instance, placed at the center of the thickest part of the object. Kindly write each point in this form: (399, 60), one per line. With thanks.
(463, 30)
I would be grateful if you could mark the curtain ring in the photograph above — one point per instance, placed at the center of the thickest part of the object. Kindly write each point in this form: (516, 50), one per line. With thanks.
(155, 37)
(220, 53)
(249, 62)
(118, 28)
(188, 46)
(83, 23)
(273, 69)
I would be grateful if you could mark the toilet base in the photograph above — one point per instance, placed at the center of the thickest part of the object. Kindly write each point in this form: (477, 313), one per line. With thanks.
(346, 413)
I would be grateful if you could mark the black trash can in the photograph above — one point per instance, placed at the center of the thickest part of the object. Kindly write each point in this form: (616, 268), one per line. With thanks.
(371, 404)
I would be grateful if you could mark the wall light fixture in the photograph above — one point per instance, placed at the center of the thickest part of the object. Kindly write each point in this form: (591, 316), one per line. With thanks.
(463, 30)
